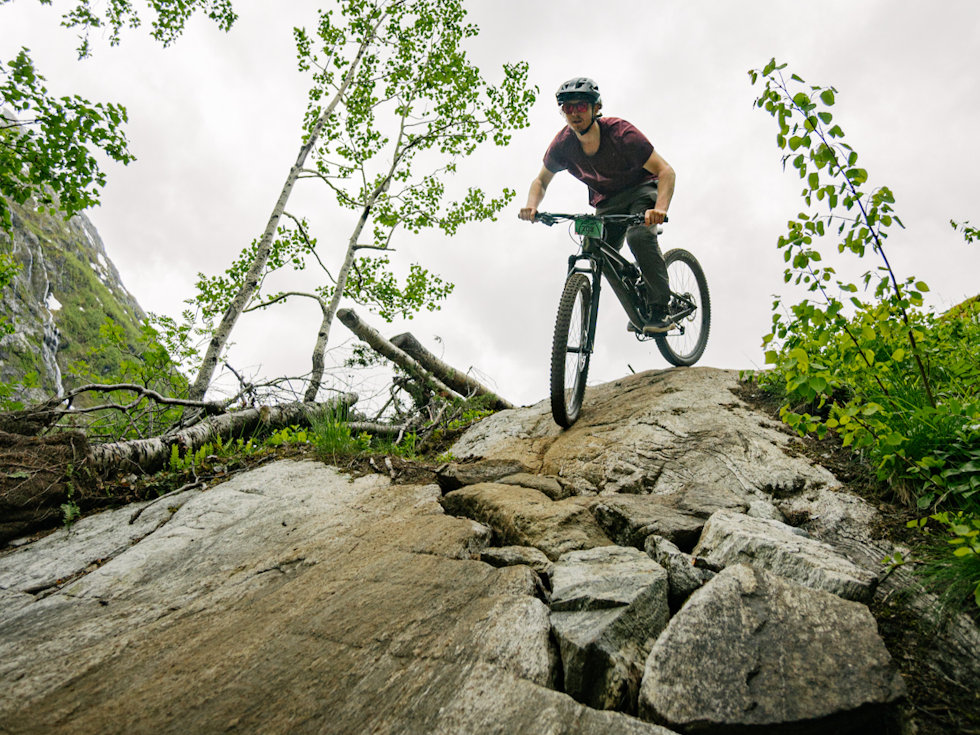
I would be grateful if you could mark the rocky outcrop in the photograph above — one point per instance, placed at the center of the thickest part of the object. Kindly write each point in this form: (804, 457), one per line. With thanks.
(294, 599)
(527, 517)
(287, 599)
(779, 658)
(608, 606)
(65, 290)
(675, 464)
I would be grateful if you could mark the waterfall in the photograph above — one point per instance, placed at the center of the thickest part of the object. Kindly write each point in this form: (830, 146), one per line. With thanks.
(49, 353)
(51, 339)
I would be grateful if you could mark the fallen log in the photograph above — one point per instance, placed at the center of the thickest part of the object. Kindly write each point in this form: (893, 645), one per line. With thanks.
(386, 349)
(370, 427)
(458, 381)
(150, 455)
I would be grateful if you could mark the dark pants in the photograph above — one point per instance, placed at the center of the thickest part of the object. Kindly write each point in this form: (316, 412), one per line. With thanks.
(641, 239)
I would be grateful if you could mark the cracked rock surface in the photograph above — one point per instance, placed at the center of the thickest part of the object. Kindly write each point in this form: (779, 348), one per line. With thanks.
(608, 606)
(525, 593)
(732, 538)
(780, 658)
(288, 599)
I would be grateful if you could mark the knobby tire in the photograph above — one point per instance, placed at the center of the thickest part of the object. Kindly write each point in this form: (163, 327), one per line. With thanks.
(686, 277)
(569, 370)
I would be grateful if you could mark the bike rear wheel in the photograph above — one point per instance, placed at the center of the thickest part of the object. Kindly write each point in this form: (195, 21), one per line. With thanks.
(684, 344)
(569, 359)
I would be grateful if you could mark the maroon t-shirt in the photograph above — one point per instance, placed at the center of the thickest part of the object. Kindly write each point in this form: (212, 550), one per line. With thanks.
(617, 165)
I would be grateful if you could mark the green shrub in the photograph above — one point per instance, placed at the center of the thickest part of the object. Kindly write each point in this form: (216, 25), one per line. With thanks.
(210, 453)
(895, 381)
(956, 575)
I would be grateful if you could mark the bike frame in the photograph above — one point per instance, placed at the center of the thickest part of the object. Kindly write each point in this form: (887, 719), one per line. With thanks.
(598, 254)
(622, 273)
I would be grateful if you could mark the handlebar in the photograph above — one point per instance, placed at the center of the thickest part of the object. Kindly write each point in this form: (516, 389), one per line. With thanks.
(551, 218)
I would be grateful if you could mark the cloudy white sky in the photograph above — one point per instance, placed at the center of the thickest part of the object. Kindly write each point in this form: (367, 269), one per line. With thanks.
(215, 125)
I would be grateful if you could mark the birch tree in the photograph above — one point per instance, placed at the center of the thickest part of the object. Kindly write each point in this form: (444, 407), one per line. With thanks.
(395, 104)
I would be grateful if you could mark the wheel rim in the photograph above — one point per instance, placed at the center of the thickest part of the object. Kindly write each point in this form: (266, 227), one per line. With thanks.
(683, 281)
(575, 355)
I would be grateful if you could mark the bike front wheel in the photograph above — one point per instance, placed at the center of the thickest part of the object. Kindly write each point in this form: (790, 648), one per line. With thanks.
(684, 344)
(569, 356)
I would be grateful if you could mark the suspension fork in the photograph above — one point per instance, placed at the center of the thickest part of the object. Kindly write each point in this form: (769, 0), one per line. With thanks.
(595, 270)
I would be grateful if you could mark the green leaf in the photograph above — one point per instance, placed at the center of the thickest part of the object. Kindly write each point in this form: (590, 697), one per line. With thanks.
(827, 97)
(895, 439)
(825, 117)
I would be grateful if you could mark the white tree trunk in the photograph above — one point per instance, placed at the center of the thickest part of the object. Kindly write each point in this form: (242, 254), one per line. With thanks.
(458, 381)
(323, 334)
(150, 455)
(385, 348)
(238, 304)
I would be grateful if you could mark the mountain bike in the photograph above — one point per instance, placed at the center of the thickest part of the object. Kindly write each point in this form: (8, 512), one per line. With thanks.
(688, 313)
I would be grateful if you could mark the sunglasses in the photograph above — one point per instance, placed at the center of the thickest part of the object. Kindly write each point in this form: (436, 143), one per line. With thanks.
(569, 107)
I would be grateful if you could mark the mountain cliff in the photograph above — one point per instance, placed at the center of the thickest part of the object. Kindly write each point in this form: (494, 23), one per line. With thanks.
(65, 290)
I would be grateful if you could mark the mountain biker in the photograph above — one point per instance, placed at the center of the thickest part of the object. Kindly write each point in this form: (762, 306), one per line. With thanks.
(625, 175)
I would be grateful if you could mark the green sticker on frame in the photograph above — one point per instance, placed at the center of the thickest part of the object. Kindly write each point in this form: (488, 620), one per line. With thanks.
(588, 228)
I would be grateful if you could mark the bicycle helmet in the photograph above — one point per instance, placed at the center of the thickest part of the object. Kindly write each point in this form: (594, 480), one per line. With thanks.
(578, 89)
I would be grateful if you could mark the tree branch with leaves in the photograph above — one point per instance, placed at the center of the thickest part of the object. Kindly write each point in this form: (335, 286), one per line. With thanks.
(884, 373)
(395, 104)
(46, 141)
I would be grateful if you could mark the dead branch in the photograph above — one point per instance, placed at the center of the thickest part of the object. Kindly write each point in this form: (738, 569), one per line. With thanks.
(143, 392)
(386, 349)
(458, 381)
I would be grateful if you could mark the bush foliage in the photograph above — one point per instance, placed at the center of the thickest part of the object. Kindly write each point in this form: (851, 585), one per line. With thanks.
(896, 381)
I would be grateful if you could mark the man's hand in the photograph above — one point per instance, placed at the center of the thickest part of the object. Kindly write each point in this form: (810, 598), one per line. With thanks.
(655, 217)
(528, 213)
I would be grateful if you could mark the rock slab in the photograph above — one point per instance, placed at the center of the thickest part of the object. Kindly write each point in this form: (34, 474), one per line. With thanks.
(678, 517)
(289, 599)
(752, 652)
(609, 604)
(732, 538)
(521, 516)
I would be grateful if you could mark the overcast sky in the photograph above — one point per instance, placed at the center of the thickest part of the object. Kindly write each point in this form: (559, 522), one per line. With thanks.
(215, 125)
